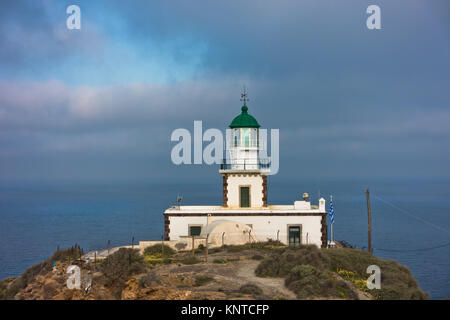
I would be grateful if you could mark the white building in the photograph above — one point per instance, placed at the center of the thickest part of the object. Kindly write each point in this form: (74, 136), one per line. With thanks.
(245, 214)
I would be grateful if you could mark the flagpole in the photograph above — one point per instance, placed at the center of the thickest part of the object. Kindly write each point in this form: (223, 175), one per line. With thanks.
(331, 232)
(332, 243)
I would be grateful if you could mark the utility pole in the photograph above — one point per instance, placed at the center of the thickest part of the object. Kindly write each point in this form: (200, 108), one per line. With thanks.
(332, 221)
(206, 258)
(369, 223)
(109, 245)
(193, 249)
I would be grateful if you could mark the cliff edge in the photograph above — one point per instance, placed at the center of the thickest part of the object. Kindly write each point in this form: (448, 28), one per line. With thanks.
(267, 270)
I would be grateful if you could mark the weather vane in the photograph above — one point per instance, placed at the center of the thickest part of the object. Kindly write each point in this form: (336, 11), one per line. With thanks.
(244, 97)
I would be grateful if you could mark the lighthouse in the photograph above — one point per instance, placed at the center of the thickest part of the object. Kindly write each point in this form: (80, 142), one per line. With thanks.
(244, 173)
(245, 214)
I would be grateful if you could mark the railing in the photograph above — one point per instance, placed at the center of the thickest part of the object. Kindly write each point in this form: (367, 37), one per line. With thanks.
(245, 164)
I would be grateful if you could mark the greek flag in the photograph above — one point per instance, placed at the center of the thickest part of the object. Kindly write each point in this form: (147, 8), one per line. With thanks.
(331, 210)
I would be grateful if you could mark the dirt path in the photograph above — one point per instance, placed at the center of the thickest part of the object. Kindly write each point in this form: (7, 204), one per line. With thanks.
(270, 286)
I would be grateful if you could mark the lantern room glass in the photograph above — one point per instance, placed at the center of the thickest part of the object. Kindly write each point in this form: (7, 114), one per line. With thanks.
(245, 137)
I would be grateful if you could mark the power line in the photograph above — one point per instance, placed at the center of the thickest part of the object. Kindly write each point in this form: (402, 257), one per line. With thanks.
(411, 250)
(411, 215)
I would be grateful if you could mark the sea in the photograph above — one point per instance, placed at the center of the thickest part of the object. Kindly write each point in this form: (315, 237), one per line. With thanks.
(410, 218)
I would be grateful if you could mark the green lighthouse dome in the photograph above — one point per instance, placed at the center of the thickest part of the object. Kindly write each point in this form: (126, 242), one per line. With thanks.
(244, 120)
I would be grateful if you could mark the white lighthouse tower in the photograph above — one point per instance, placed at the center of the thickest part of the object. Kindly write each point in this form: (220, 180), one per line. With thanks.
(244, 173)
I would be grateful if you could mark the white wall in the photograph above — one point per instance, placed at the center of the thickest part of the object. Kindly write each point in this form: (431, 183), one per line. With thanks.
(244, 158)
(264, 227)
(256, 189)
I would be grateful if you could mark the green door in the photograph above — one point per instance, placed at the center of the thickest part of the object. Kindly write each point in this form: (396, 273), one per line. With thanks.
(294, 235)
(245, 197)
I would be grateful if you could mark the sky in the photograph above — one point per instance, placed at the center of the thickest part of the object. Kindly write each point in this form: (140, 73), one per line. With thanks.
(99, 104)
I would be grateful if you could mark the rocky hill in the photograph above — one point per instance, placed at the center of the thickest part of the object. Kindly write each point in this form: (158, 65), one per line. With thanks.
(253, 271)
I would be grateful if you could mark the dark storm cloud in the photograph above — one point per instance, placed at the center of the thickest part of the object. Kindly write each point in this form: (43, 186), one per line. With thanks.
(348, 101)
(33, 37)
(273, 38)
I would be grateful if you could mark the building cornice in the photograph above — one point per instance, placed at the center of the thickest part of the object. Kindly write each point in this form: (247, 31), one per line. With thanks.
(246, 213)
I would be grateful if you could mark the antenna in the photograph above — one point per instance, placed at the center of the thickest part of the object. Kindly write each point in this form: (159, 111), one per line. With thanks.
(244, 97)
(179, 198)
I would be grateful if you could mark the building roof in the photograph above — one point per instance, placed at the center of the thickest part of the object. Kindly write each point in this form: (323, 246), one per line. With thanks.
(219, 210)
(244, 120)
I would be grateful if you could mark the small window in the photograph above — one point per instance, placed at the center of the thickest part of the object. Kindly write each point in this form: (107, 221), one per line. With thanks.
(294, 234)
(254, 138)
(236, 137)
(246, 137)
(195, 230)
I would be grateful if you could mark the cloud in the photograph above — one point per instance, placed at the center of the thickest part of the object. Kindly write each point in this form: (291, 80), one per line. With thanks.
(176, 40)
(34, 38)
(87, 126)
(106, 99)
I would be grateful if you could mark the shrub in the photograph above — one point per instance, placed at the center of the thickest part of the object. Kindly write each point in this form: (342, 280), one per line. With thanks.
(307, 281)
(201, 280)
(215, 250)
(250, 288)
(154, 254)
(220, 260)
(345, 244)
(157, 249)
(351, 276)
(397, 281)
(282, 260)
(6, 290)
(149, 280)
(119, 266)
(200, 249)
(351, 264)
(153, 259)
(257, 257)
(267, 245)
(231, 248)
(190, 260)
